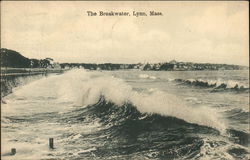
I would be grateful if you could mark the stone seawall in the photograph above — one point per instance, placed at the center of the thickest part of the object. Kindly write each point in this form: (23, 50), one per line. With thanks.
(11, 80)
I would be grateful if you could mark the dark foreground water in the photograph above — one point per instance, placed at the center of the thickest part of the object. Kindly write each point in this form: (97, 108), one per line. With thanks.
(129, 115)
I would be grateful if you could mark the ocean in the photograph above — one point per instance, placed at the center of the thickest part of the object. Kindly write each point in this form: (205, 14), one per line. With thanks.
(133, 114)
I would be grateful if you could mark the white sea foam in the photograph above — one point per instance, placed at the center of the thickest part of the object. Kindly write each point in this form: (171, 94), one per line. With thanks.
(229, 83)
(217, 148)
(80, 87)
(88, 90)
(145, 76)
(219, 82)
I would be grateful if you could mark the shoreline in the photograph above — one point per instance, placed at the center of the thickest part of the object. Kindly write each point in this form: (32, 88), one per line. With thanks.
(18, 71)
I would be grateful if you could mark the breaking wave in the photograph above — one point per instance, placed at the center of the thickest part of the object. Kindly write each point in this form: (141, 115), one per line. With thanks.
(88, 88)
(169, 136)
(217, 85)
(131, 123)
(8, 82)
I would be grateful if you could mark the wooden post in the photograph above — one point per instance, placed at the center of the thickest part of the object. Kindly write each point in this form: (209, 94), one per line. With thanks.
(51, 143)
(13, 151)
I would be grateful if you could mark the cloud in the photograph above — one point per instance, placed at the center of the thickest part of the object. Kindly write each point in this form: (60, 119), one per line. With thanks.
(201, 32)
(217, 22)
(218, 35)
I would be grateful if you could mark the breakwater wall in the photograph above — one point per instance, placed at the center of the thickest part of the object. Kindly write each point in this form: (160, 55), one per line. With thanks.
(11, 79)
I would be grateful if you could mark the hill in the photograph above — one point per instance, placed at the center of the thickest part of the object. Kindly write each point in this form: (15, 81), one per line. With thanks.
(13, 59)
(10, 58)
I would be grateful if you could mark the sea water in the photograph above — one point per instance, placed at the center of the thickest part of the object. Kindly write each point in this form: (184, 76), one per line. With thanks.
(129, 115)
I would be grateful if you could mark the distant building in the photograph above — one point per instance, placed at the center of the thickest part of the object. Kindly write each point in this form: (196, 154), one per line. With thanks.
(173, 62)
(56, 65)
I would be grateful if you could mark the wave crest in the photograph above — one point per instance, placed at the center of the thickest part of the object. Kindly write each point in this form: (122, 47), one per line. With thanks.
(215, 84)
(89, 87)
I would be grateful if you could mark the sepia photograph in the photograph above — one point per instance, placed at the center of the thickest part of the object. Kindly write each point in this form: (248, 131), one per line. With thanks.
(125, 80)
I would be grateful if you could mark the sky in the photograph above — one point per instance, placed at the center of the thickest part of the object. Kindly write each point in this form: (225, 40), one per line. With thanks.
(213, 32)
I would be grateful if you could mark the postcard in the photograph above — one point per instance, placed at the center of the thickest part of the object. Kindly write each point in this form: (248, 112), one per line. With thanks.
(120, 80)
